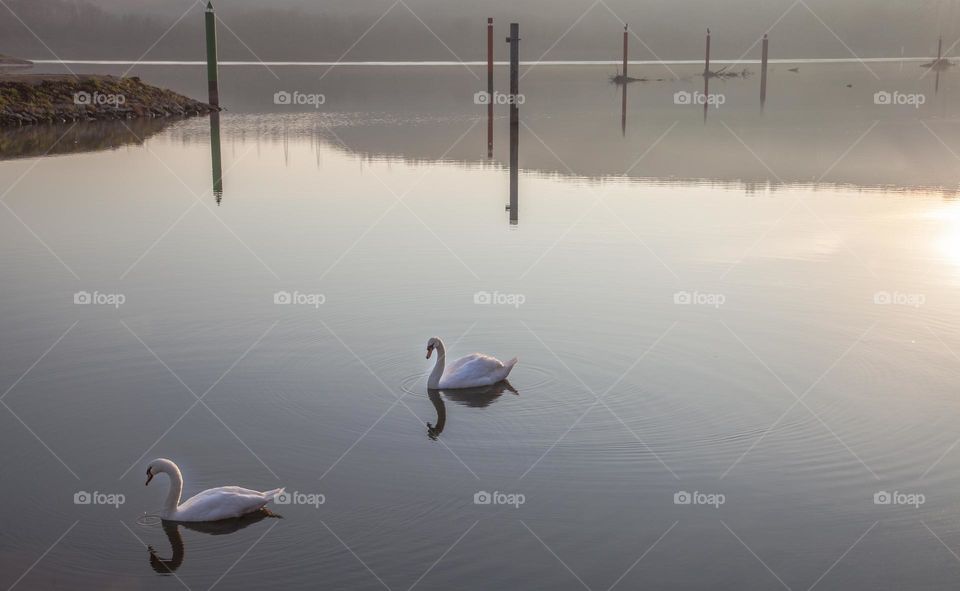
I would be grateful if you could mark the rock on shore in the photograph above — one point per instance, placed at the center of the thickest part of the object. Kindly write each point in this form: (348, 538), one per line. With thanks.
(46, 98)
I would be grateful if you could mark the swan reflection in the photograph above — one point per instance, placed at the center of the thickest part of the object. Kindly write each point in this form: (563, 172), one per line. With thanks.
(167, 566)
(481, 397)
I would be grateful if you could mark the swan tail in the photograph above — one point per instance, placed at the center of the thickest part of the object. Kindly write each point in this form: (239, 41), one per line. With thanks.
(272, 494)
(508, 366)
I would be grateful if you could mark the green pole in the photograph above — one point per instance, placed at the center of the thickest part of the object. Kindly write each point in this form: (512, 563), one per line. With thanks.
(212, 84)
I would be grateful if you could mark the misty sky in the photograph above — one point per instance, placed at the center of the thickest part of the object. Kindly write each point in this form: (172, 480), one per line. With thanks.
(313, 30)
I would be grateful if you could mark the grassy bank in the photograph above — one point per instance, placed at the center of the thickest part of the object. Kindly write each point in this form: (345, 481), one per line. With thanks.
(44, 98)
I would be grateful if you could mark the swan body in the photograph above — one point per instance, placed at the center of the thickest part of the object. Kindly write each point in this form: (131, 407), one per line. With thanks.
(224, 502)
(472, 371)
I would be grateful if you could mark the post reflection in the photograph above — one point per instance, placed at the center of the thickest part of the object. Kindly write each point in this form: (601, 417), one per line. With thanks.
(215, 158)
(623, 111)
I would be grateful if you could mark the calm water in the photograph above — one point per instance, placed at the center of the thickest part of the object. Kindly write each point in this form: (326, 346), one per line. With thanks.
(817, 241)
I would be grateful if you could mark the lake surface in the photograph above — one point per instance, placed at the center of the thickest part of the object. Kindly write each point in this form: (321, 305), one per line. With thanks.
(751, 310)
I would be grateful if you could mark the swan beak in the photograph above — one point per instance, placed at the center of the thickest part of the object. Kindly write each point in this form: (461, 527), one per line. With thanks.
(429, 352)
(149, 478)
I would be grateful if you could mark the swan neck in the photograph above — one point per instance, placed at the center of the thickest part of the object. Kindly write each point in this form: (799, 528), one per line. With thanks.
(176, 489)
(434, 380)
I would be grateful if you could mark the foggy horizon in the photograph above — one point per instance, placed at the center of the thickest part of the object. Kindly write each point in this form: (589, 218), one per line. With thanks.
(298, 30)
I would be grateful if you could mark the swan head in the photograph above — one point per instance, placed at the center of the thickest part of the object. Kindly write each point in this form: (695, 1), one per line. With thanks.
(160, 465)
(433, 343)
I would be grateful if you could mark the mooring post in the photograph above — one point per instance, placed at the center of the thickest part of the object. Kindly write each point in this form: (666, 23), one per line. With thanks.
(763, 71)
(490, 88)
(514, 41)
(212, 84)
(706, 59)
(625, 53)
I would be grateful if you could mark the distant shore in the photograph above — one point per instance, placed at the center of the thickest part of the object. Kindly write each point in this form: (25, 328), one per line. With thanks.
(60, 98)
(7, 62)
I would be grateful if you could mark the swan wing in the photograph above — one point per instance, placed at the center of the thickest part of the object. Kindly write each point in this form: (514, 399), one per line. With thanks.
(224, 502)
(473, 370)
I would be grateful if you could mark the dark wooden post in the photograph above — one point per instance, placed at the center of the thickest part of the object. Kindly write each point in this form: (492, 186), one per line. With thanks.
(514, 40)
(490, 87)
(212, 78)
(625, 53)
(763, 71)
(706, 59)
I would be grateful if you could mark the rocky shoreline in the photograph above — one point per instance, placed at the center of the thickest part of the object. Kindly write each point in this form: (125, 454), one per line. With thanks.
(43, 98)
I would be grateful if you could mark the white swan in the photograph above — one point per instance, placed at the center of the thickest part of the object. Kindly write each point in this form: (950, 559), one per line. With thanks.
(471, 371)
(212, 504)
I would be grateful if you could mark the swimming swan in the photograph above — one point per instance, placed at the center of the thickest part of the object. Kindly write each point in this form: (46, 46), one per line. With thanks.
(471, 371)
(213, 504)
